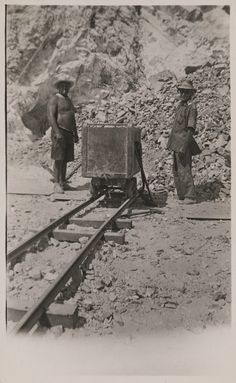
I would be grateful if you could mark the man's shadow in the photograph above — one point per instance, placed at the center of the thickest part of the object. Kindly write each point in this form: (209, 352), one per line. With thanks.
(208, 191)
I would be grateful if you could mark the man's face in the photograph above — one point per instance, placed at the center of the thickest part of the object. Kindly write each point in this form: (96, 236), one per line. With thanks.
(185, 94)
(63, 88)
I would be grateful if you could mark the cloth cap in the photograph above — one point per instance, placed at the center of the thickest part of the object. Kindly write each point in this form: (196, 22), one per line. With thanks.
(187, 84)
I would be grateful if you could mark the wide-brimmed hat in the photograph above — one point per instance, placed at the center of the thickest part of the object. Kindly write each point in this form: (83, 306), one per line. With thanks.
(65, 79)
(187, 85)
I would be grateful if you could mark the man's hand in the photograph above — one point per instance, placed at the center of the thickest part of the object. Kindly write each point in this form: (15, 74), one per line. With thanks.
(76, 139)
(182, 150)
(187, 143)
(58, 135)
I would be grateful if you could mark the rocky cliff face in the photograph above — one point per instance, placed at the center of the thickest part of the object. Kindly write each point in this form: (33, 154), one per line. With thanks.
(97, 46)
(125, 62)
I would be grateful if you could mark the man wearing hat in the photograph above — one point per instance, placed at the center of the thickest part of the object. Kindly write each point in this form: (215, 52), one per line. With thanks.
(183, 144)
(61, 116)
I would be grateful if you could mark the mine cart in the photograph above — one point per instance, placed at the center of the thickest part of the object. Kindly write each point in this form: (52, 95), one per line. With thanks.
(109, 157)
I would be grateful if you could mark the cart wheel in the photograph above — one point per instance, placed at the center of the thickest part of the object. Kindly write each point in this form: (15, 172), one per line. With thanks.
(131, 187)
(96, 186)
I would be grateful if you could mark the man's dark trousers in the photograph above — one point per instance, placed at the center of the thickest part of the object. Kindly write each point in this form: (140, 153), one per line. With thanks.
(183, 179)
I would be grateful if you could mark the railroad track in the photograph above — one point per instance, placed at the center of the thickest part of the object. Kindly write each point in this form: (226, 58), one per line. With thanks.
(37, 314)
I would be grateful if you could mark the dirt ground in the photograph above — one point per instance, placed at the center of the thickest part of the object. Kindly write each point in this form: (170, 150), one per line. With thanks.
(171, 273)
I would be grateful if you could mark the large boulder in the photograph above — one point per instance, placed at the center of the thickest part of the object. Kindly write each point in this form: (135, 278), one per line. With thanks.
(80, 41)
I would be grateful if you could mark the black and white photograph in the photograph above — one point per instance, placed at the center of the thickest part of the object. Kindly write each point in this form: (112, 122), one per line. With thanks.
(118, 185)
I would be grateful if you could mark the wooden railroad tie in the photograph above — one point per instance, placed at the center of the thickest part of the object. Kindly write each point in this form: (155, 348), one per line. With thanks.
(74, 236)
(96, 223)
(57, 314)
(87, 227)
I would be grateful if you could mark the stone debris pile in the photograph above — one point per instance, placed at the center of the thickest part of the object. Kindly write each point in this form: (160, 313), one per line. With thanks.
(153, 113)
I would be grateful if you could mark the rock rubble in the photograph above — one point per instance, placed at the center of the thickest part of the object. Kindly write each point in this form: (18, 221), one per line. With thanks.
(153, 113)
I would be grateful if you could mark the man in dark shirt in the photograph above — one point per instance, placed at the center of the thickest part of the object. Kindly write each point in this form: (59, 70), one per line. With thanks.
(61, 116)
(183, 144)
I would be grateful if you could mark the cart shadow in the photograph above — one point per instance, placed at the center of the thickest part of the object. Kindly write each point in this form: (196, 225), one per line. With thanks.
(142, 212)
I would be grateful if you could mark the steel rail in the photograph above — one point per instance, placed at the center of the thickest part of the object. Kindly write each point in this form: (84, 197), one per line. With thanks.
(39, 308)
(19, 250)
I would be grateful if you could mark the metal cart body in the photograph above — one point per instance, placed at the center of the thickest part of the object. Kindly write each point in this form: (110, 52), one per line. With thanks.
(108, 156)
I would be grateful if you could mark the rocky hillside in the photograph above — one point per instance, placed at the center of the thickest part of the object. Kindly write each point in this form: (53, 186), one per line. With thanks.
(126, 62)
(98, 47)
